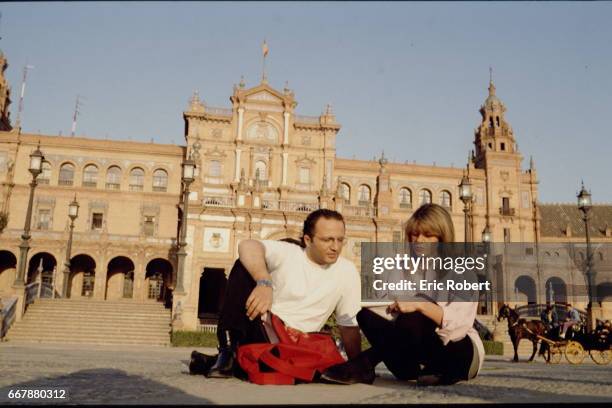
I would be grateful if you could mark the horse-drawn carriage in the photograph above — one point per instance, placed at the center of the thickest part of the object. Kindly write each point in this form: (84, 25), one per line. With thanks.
(575, 345)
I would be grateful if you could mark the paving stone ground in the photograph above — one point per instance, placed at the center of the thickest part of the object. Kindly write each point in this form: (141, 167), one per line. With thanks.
(158, 375)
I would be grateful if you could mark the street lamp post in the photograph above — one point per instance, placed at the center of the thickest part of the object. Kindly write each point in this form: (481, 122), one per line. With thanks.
(465, 194)
(188, 176)
(486, 239)
(36, 161)
(73, 213)
(584, 205)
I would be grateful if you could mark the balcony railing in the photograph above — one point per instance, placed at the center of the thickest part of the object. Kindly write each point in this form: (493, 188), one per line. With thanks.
(359, 211)
(298, 206)
(405, 205)
(159, 189)
(92, 184)
(42, 180)
(136, 187)
(218, 201)
(113, 186)
(269, 204)
(509, 212)
(64, 182)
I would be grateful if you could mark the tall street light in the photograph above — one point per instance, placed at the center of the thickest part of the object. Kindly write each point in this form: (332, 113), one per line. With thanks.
(73, 213)
(36, 162)
(188, 177)
(585, 205)
(465, 194)
(486, 240)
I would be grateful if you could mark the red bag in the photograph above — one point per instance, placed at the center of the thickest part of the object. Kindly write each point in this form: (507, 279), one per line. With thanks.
(298, 355)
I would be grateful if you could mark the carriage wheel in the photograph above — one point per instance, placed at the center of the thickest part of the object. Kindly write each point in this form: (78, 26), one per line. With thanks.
(574, 352)
(601, 357)
(554, 354)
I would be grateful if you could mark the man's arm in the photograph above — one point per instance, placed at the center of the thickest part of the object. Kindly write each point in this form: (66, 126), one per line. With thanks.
(351, 339)
(252, 254)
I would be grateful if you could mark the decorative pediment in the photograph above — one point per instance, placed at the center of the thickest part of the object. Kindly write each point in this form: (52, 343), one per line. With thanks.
(214, 153)
(265, 96)
(305, 160)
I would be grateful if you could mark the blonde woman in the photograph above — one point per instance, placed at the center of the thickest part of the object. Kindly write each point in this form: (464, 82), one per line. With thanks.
(432, 342)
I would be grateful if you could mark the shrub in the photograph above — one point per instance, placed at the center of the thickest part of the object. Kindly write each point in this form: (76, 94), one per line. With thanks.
(495, 348)
(183, 338)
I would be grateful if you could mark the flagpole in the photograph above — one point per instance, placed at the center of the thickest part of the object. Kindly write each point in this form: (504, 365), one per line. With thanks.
(263, 73)
(265, 51)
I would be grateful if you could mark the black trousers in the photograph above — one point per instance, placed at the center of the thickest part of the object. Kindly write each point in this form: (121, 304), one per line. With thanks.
(411, 340)
(233, 317)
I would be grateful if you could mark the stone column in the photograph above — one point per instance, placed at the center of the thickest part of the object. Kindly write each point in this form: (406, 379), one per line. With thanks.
(138, 293)
(285, 160)
(270, 167)
(286, 128)
(237, 169)
(240, 123)
(100, 278)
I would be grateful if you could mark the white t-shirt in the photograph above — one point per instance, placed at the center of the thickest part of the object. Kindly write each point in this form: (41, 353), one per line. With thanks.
(305, 294)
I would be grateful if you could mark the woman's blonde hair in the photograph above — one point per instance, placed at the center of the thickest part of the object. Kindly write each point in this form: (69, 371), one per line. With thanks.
(431, 220)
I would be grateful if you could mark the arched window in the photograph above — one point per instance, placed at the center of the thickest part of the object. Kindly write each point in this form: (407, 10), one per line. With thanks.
(137, 179)
(66, 175)
(90, 176)
(345, 192)
(261, 169)
(424, 197)
(445, 199)
(214, 168)
(364, 195)
(160, 180)
(113, 178)
(45, 175)
(405, 198)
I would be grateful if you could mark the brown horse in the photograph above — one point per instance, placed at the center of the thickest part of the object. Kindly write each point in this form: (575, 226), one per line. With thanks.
(519, 328)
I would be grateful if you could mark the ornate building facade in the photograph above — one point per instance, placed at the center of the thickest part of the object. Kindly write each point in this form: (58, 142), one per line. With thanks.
(261, 168)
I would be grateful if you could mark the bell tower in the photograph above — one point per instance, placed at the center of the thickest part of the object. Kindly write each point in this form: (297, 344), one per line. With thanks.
(494, 134)
(511, 193)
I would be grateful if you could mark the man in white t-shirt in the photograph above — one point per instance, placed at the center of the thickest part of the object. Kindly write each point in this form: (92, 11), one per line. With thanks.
(301, 285)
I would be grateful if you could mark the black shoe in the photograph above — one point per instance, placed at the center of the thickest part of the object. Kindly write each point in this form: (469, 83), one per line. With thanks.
(353, 371)
(201, 363)
(224, 365)
(226, 362)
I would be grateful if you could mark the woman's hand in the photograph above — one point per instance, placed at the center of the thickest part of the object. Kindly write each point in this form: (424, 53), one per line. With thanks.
(404, 307)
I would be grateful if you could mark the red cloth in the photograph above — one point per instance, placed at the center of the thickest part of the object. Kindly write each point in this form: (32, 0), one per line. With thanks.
(298, 355)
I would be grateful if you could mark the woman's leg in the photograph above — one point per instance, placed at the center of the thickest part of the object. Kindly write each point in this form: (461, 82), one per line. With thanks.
(401, 344)
(452, 362)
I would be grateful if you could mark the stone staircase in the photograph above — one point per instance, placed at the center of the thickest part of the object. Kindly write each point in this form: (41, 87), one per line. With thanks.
(525, 348)
(93, 322)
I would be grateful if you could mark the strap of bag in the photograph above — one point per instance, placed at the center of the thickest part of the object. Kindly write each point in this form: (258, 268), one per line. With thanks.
(249, 357)
(290, 355)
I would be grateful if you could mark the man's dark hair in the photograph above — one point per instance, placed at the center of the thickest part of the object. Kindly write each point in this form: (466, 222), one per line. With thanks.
(311, 221)
(293, 241)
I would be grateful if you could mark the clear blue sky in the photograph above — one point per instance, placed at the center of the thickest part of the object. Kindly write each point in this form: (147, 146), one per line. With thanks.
(405, 77)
